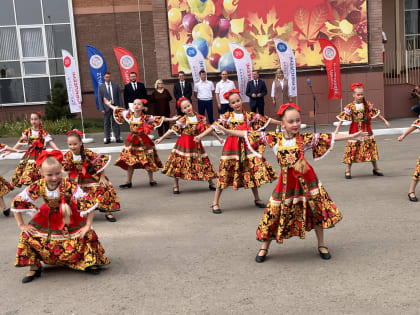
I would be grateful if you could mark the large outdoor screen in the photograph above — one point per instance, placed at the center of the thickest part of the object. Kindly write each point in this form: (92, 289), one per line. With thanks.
(212, 24)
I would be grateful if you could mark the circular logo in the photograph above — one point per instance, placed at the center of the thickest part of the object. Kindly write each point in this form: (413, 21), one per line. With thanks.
(191, 51)
(126, 62)
(96, 61)
(281, 47)
(67, 62)
(329, 53)
(238, 53)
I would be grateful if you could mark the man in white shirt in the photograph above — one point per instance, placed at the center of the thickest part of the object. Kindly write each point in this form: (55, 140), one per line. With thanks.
(223, 86)
(204, 93)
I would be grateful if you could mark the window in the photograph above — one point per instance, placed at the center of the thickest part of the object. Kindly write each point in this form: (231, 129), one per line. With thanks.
(412, 24)
(33, 33)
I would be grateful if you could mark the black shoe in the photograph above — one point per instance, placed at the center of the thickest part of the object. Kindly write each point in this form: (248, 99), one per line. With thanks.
(107, 141)
(216, 211)
(212, 187)
(37, 274)
(325, 256)
(414, 199)
(377, 173)
(261, 259)
(119, 141)
(176, 191)
(128, 185)
(93, 270)
(347, 175)
(6, 212)
(110, 218)
(153, 183)
(260, 204)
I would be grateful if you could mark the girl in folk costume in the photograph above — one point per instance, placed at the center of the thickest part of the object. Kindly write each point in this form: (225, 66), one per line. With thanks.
(416, 177)
(5, 186)
(188, 160)
(36, 138)
(139, 150)
(87, 169)
(299, 202)
(239, 165)
(60, 231)
(360, 112)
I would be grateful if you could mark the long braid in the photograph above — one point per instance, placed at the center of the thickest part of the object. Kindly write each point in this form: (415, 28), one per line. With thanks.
(89, 167)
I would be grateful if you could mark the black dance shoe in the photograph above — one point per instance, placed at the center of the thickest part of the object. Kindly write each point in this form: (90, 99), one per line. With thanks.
(347, 175)
(6, 212)
(110, 218)
(260, 204)
(37, 274)
(216, 211)
(176, 191)
(93, 270)
(377, 173)
(128, 185)
(325, 256)
(153, 183)
(261, 259)
(119, 141)
(414, 199)
(212, 187)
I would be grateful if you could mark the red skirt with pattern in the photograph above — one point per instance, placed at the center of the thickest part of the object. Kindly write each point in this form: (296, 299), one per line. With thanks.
(5, 186)
(416, 175)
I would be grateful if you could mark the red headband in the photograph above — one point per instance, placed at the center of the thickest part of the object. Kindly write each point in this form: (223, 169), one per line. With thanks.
(74, 131)
(56, 154)
(144, 101)
(39, 113)
(356, 85)
(178, 103)
(233, 91)
(283, 108)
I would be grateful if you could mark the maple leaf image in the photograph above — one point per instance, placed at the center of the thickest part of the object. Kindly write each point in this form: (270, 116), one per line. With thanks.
(309, 56)
(348, 50)
(310, 23)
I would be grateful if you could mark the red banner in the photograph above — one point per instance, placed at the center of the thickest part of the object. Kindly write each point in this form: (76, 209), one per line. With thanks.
(332, 63)
(127, 63)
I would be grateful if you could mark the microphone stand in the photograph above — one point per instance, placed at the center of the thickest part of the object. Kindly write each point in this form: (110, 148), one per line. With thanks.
(315, 104)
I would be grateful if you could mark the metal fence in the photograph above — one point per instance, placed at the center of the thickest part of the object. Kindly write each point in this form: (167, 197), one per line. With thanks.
(402, 66)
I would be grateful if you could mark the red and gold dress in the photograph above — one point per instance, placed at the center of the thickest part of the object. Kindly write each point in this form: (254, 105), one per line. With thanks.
(416, 175)
(188, 160)
(5, 186)
(139, 150)
(26, 172)
(299, 201)
(360, 117)
(239, 165)
(88, 179)
(56, 243)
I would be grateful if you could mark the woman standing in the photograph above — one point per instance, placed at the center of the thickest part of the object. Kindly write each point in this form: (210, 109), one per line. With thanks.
(280, 91)
(160, 99)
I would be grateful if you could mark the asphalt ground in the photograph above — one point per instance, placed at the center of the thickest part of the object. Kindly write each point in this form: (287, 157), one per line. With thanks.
(170, 255)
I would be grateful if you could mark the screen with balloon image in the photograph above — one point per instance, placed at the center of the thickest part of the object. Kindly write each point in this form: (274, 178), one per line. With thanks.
(211, 24)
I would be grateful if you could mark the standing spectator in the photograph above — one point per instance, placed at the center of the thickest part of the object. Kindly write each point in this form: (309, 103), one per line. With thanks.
(384, 41)
(111, 91)
(223, 86)
(415, 93)
(160, 99)
(204, 93)
(256, 90)
(182, 89)
(134, 90)
(280, 90)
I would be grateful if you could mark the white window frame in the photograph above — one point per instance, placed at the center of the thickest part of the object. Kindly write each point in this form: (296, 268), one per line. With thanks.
(46, 58)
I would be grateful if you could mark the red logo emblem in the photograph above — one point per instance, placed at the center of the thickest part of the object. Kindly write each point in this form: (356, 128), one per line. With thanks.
(238, 53)
(67, 62)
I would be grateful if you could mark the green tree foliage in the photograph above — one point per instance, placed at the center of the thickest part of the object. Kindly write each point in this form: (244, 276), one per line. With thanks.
(57, 106)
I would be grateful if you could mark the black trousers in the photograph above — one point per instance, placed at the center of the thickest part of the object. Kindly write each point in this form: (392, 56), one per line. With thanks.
(107, 126)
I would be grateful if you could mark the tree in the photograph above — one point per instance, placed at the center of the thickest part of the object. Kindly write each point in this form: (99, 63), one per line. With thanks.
(57, 106)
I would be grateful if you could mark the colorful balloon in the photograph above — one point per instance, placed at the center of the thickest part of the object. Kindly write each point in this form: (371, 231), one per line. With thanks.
(204, 31)
(220, 46)
(214, 60)
(174, 18)
(189, 21)
(230, 6)
(201, 45)
(202, 11)
(226, 62)
(181, 56)
(224, 27)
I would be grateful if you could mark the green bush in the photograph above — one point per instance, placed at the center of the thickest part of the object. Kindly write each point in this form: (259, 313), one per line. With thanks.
(57, 106)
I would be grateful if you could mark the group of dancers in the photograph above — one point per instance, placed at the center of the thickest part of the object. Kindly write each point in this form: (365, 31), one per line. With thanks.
(60, 232)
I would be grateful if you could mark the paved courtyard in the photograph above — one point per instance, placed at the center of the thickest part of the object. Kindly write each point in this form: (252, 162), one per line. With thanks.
(170, 255)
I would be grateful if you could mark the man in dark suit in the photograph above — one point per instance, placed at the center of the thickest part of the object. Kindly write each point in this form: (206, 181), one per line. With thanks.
(111, 91)
(182, 88)
(134, 90)
(256, 90)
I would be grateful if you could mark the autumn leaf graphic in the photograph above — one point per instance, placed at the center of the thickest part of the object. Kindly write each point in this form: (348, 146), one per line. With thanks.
(310, 23)
(348, 50)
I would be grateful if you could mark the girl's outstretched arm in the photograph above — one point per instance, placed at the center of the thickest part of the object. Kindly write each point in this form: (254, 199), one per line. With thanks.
(221, 140)
(173, 118)
(163, 137)
(204, 133)
(384, 120)
(355, 136)
(406, 133)
(338, 126)
(108, 103)
(53, 145)
(235, 133)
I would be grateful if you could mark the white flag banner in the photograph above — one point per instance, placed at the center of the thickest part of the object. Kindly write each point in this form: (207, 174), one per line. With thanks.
(288, 64)
(72, 82)
(195, 60)
(243, 65)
